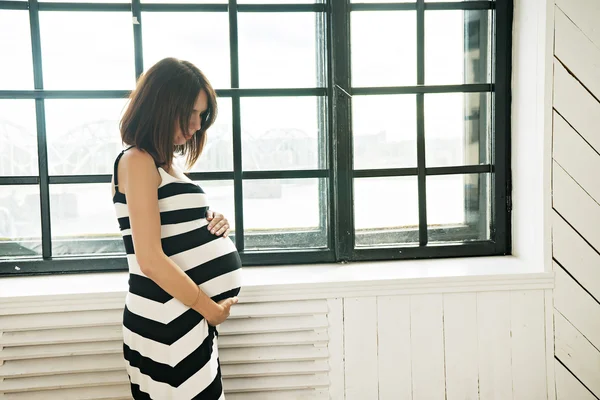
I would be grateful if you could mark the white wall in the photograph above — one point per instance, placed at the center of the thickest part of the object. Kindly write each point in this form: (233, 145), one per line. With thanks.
(576, 198)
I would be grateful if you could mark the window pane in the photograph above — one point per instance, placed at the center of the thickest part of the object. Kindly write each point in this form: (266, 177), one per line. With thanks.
(181, 35)
(87, 50)
(457, 47)
(221, 198)
(83, 220)
(457, 127)
(383, 1)
(385, 131)
(386, 211)
(384, 48)
(285, 213)
(18, 138)
(87, 1)
(281, 133)
(279, 1)
(279, 50)
(218, 150)
(184, 1)
(83, 135)
(15, 46)
(20, 226)
(458, 207)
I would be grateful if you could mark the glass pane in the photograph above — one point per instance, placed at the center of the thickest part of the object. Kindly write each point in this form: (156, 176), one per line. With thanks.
(279, 1)
(20, 226)
(83, 220)
(384, 48)
(382, 1)
(285, 213)
(18, 138)
(385, 131)
(456, 129)
(15, 46)
(279, 50)
(280, 133)
(184, 2)
(83, 135)
(180, 35)
(221, 199)
(386, 211)
(87, 1)
(87, 50)
(458, 207)
(218, 151)
(457, 47)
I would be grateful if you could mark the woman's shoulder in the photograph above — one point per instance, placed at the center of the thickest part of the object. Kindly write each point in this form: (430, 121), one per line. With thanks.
(138, 158)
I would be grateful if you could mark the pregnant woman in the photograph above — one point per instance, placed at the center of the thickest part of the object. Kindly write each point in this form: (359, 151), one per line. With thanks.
(184, 273)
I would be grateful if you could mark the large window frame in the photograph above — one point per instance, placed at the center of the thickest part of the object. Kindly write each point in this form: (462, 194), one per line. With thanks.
(336, 170)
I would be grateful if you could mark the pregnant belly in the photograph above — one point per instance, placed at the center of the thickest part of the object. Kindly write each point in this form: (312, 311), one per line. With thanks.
(225, 272)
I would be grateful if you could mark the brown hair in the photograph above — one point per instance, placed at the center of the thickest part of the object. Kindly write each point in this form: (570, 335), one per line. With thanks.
(165, 95)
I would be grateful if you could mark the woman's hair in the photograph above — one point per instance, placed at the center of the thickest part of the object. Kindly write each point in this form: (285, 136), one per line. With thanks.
(164, 96)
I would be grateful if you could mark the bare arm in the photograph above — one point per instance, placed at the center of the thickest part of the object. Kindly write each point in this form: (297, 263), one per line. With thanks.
(139, 180)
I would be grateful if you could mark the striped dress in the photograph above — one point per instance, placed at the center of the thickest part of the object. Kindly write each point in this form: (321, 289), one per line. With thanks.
(170, 350)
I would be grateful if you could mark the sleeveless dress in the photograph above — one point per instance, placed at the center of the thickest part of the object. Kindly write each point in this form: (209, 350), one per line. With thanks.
(170, 350)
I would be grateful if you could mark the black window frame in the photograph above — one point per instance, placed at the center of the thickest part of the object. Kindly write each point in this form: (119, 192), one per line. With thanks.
(338, 172)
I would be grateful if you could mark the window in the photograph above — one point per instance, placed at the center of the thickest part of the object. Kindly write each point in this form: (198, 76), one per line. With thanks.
(347, 131)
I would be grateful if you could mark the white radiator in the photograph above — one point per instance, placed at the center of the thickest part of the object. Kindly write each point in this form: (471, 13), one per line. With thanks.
(71, 349)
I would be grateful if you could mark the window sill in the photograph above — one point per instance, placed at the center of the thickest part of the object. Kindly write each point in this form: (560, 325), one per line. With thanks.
(278, 283)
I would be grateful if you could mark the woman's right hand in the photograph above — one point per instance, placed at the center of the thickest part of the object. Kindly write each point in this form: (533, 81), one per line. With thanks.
(221, 312)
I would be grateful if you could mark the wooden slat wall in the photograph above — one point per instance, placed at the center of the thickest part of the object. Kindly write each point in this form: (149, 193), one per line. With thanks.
(467, 346)
(576, 198)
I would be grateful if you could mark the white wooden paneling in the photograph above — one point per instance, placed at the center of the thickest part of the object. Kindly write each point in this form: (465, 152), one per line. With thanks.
(57, 336)
(549, 335)
(528, 357)
(577, 353)
(66, 380)
(584, 112)
(585, 14)
(283, 350)
(394, 347)
(109, 392)
(272, 339)
(568, 387)
(275, 368)
(494, 349)
(578, 257)
(308, 394)
(237, 385)
(578, 307)
(360, 348)
(427, 345)
(336, 348)
(576, 157)
(575, 50)
(283, 308)
(576, 206)
(460, 335)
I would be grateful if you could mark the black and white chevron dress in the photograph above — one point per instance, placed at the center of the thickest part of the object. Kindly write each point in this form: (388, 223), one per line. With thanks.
(170, 350)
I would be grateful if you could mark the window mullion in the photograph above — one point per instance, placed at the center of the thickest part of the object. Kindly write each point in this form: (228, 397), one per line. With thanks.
(36, 48)
(342, 133)
(236, 127)
(137, 38)
(501, 179)
(421, 171)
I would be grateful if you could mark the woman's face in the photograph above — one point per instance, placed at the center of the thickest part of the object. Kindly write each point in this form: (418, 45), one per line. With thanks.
(195, 123)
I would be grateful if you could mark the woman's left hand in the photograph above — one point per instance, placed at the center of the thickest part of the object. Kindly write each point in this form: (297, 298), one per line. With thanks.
(217, 223)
